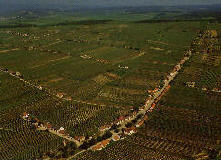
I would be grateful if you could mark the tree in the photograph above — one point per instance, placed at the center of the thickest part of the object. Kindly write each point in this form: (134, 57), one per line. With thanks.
(128, 125)
(92, 142)
(85, 145)
(113, 127)
(72, 145)
(107, 135)
(212, 153)
(99, 138)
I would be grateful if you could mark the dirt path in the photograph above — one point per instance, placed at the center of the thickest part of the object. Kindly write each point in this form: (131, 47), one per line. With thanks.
(5, 51)
(71, 139)
(6, 129)
(71, 158)
(53, 60)
(53, 43)
(164, 43)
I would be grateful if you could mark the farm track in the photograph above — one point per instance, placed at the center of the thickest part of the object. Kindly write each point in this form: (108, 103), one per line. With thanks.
(61, 135)
(53, 60)
(49, 92)
(164, 43)
(53, 43)
(5, 51)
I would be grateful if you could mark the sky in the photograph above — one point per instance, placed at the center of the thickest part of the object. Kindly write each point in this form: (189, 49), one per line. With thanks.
(9, 6)
(106, 3)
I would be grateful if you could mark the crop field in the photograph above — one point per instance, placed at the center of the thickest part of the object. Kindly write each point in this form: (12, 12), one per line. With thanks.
(84, 75)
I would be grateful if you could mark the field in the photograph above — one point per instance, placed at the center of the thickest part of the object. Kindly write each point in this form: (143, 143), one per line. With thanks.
(91, 72)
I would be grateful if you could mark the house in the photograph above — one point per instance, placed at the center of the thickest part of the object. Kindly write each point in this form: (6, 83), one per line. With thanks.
(190, 84)
(172, 74)
(60, 95)
(12, 73)
(37, 120)
(166, 89)
(134, 113)
(49, 126)
(105, 142)
(153, 91)
(25, 115)
(127, 118)
(18, 74)
(116, 138)
(140, 123)
(182, 61)
(121, 119)
(79, 138)
(39, 87)
(61, 130)
(148, 100)
(177, 67)
(130, 130)
(215, 90)
(68, 98)
(104, 128)
(153, 106)
(204, 89)
(212, 33)
(145, 117)
(97, 147)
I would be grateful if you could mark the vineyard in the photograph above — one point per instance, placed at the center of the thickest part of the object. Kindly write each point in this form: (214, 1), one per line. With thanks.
(80, 77)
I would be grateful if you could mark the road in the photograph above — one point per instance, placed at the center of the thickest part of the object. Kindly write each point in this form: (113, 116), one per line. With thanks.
(42, 128)
(5, 51)
(71, 158)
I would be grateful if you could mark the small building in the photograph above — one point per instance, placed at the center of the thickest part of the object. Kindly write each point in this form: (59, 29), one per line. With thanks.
(153, 106)
(215, 90)
(134, 113)
(49, 126)
(116, 138)
(60, 95)
(105, 142)
(127, 118)
(25, 115)
(190, 84)
(79, 138)
(172, 74)
(97, 147)
(37, 120)
(145, 117)
(104, 128)
(182, 61)
(121, 119)
(39, 87)
(68, 98)
(140, 123)
(177, 67)
(130, 130)
(18, 74)
(61, 130)
(12, 73)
